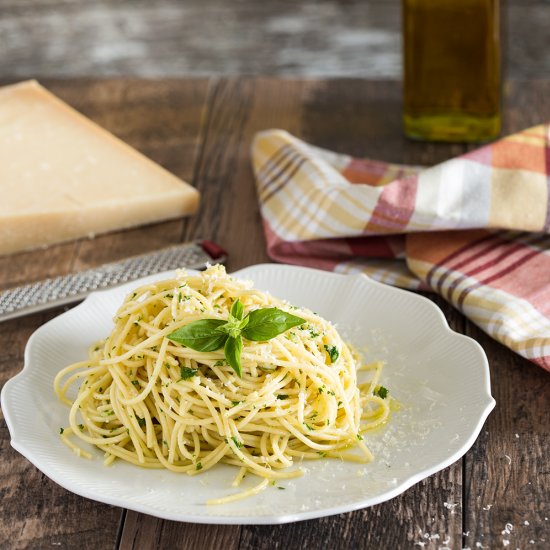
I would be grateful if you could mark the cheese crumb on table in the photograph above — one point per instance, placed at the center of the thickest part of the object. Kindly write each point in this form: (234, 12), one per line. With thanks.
(64, 177)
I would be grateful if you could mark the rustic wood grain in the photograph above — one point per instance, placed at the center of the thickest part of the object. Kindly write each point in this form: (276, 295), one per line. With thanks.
(418, 518)
(144, 532)
(163, 121)
(229, 213)
(329, 114)
(363, 118)
(34, 511)
(507, 472)
(202, 131)
(351, 38)
(159, 119)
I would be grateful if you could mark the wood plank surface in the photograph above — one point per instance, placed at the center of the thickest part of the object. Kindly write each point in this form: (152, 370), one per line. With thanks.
(164, 121)
(507, 472)
(320, 38)
(202, 130)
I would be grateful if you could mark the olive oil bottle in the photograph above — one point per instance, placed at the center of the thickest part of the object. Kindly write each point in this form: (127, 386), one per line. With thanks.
(451, 69)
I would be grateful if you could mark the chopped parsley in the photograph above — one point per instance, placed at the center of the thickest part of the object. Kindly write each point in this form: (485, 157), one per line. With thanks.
(61, 430)
(309, 427)
(333, 353)
(198, 466)
(141, 421)
(382, 392)
(282, 396)
(235, 403)
(81, 426)
(135, 382)
(219, 363)
(238, 443)
(187, 373)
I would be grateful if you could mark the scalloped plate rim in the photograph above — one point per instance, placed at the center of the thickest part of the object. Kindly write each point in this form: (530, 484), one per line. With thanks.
(274, 519)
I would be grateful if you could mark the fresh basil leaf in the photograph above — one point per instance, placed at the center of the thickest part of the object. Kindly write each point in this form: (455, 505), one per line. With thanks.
(237, 310)
(201, 335)
(232, 351)
(267, 323)
(234, 326)
(333, 353)
(244, 322)
(230, 329)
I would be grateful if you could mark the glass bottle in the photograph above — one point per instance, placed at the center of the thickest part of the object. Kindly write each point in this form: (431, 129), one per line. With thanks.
(451, 69)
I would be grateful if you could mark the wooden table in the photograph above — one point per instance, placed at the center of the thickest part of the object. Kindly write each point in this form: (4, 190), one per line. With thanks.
(334, 38)
(201, 130)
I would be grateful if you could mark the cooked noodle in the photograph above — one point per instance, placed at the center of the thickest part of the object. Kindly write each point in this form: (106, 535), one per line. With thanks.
(158, 404)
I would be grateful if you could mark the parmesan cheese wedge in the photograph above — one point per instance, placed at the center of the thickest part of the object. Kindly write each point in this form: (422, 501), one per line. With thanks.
(63, 177)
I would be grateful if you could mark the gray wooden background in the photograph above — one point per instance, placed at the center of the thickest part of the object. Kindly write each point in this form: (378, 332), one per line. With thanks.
(154, 38)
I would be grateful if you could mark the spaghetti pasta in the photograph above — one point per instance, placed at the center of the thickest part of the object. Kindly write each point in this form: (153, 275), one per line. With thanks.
(150, 401)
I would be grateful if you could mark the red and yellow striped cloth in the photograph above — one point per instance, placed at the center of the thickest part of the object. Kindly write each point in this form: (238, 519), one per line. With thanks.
(474, 229)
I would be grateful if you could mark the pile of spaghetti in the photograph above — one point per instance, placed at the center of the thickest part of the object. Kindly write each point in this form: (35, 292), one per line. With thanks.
(153, 402)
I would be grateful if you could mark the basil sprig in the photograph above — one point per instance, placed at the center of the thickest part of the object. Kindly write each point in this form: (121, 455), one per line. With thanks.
(213, 334)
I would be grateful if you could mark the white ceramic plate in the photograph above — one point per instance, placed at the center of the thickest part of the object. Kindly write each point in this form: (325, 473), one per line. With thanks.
(440, 377)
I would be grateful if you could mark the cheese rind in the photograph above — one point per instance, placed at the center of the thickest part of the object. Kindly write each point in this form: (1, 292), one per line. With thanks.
(63, 177)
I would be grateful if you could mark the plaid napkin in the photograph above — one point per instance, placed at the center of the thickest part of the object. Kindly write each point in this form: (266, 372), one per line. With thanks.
(473, 229)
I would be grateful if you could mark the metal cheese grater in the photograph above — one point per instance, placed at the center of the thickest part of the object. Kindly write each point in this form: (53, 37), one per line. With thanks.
(68, 289)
